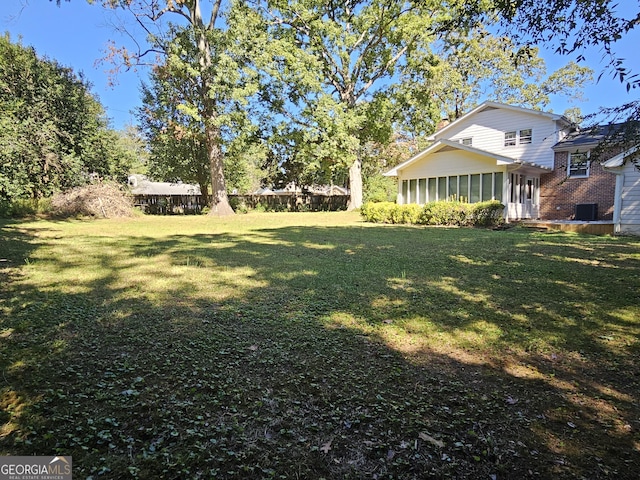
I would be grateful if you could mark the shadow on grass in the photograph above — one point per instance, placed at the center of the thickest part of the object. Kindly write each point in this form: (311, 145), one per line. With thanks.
(335, 352)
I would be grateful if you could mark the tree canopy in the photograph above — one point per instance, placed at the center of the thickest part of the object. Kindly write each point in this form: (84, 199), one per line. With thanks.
(205, 49)
(571, 26)
(53, 132)
(346, 58)
(335, 78)
(465, 69)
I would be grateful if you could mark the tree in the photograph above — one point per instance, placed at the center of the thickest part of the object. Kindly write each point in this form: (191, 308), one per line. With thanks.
(176, 132)
(468, 68)
(347, 54)
(203, 51)
(53, 132)
(571, 26)
(175, 136)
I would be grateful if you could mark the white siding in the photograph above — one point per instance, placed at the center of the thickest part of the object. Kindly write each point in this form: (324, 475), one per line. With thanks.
(630, 200)
(487, 128)
(456, 162)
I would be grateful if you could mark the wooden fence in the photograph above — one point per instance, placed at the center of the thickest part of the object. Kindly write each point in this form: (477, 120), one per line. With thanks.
(193, 204)
(291, 203)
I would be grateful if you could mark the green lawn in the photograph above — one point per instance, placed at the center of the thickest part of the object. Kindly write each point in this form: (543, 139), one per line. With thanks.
(311, 346)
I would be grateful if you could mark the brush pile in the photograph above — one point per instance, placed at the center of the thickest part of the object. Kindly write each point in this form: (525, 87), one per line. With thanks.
(101, 200)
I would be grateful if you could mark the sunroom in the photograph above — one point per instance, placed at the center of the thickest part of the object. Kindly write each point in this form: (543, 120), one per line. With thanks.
(452, 171)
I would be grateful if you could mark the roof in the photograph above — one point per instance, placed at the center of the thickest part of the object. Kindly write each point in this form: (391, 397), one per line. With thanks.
(141, 185)
(620, 159)
(588, 137)
(495, 105)
(444, 145)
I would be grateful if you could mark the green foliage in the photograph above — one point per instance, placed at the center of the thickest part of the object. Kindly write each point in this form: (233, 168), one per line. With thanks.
(571, 26)
(473, 66)
(378, 188)
(24, 207)
(483, 214)
(487, 213)
(238, 205)
(53, 132)
(176, 114)
(341, 62)
(446, 213)
(377, 212)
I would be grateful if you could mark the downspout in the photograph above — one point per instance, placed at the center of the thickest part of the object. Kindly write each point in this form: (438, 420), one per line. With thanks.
(617, 201)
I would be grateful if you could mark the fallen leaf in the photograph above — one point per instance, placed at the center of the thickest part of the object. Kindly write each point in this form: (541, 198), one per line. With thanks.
(326, 447)
(430, 439)
(253, 348)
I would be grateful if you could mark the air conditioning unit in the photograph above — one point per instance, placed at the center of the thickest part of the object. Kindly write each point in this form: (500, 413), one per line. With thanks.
(587, 212)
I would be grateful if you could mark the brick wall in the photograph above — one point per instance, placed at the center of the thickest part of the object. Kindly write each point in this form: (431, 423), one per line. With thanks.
(559, 194)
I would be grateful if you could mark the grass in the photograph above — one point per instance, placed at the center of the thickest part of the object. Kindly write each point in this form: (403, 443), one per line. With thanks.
(317, 346)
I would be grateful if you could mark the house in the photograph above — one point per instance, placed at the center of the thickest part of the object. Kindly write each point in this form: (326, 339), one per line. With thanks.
(536, 163)
(292, 188)
(626, 211)
(164, 197)
(578, 188)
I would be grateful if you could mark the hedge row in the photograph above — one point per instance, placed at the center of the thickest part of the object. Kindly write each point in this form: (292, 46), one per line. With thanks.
(435, 213)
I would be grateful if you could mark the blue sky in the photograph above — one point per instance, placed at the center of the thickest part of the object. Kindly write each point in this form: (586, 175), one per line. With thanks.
(76, 35)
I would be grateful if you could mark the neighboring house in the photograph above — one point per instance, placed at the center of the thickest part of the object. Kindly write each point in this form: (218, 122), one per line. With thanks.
(626, 212)
(293, 189)
(534, 162)
(164, 197)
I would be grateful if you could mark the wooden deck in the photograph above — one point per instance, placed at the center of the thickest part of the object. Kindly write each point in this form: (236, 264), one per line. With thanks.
(591, 228)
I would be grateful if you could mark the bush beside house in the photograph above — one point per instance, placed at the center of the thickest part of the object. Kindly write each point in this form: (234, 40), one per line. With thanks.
(447, 213)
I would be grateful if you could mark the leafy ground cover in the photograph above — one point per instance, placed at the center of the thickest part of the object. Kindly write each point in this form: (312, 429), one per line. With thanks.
(317, 346)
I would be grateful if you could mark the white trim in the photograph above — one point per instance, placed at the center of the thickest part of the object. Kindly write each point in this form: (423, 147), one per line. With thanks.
(588, 162)
(440, 144)
(619, 159)
(617, 202)
(493, 105)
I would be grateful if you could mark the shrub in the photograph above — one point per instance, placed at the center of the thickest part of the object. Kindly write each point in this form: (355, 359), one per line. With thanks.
(24, 207)
(238, 205)
(445, 213)
(435, 213)
(409, 214)
(378, 212)
(486, 214)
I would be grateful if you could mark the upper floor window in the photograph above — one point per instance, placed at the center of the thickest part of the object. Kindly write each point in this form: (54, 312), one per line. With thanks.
(521, 137)
(525, 136)
(578, 164)
(466, 141)
(509, 139)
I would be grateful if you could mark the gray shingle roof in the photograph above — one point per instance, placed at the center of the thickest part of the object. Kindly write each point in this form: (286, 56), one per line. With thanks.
(588, 137)
(141, 185)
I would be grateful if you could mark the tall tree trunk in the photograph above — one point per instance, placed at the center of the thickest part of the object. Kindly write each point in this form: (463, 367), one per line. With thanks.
(355, 184)
(220, 202)
(204, 194)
